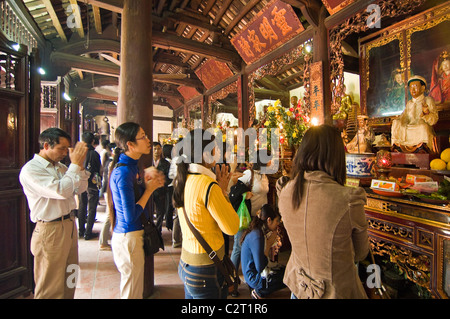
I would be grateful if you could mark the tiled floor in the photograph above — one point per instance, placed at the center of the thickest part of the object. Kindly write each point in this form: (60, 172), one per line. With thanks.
(99, 278)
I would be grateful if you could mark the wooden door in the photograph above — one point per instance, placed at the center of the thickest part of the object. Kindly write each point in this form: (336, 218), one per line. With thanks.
(16, 147)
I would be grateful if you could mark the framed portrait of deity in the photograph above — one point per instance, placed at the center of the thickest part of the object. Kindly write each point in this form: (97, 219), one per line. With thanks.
(385, 76)
(430, 58)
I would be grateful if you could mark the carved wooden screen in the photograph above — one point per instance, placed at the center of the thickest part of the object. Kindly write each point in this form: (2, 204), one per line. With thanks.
(15, 150)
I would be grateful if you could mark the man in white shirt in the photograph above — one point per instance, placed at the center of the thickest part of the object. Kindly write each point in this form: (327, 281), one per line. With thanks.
(50, 188)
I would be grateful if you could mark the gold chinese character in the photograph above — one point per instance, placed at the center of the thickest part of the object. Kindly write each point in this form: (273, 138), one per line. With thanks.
(280, 20)
(245, 47)
(267, 31)
(253, 38)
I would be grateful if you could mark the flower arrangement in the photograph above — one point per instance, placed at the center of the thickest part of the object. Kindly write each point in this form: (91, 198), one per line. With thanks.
(170, 140)
(292, 122)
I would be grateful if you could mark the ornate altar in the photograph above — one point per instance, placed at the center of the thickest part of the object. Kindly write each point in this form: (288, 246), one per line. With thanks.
(415, 236)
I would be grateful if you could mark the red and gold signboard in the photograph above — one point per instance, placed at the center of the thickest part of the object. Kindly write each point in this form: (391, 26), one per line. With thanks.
(188, 92)
(213, 72)
(334, 6)
(316, 94)
(270, 28)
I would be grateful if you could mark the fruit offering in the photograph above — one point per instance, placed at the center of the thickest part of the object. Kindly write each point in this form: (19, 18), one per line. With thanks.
(442, 163)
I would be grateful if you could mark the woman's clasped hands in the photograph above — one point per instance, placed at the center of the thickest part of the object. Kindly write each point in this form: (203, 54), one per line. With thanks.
(153, 178)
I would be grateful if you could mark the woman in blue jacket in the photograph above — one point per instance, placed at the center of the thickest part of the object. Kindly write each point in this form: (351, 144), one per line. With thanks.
(126, 207)
(256, 242)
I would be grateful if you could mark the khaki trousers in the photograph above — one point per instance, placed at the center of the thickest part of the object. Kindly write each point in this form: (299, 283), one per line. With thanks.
(129, 257)
(54, 246)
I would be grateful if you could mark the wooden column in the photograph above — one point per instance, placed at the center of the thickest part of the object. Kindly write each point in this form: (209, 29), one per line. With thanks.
(320, 52)
(243, 102)
(135, 85)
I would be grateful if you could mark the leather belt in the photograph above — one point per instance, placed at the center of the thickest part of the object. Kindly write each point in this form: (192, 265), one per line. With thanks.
(58, 219)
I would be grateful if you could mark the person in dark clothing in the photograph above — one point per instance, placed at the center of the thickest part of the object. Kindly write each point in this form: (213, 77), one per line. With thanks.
(88, 200)
(160, 195)
(167, 154)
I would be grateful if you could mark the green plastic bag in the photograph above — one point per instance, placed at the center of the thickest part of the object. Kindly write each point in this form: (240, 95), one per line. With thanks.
(244, 215)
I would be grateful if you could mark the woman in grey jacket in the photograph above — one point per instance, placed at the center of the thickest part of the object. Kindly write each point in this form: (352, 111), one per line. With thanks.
(324, 219)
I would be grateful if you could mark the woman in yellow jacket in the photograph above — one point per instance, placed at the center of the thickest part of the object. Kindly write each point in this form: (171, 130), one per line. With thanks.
(203, 195)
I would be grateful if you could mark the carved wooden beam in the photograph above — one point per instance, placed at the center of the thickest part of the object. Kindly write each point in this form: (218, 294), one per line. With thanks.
(186, 82)
(110, 58)
(160, 7)
(270, 94)
(272, 83)
(170, 59)
(85, 64)
(310, 9)
(94, 80)
(170, 94)
(111, 69)
(97, 19)
(55, 20)
(347, 12)
(111, 5)
(173, 42)
(179, 17)
(95, 45)
(92, 94)
(78, 21)
(169, 76)
(297, 75)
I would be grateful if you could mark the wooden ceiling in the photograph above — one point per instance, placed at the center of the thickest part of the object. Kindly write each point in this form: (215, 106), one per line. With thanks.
(185, 34)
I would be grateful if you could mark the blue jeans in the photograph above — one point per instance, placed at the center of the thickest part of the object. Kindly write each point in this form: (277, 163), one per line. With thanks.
(202, 282)
(236, 253)
(274, 283)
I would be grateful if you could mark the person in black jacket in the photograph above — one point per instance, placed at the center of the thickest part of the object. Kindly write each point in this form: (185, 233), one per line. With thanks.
(88, 200)
(160, 195)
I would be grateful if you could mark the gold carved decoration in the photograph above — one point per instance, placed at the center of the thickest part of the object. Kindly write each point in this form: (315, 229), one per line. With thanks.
(220, 94)
(373, 203)
(192, 107)
(416, 266)
(383, 41)
(425, 239)
(431, 19)
(443, 265)
(356, 24)
(396, 230)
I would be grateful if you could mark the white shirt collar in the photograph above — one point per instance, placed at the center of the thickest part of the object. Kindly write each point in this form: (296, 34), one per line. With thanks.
(45, 162)
(197, 168)
(420, 98)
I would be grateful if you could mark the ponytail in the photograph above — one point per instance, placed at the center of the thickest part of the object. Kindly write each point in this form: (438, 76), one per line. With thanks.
(260, 220)
(179, 184)
(111, 209)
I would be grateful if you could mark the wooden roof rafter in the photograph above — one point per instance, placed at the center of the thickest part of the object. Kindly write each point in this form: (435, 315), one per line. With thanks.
(55, 20)
(76, 11)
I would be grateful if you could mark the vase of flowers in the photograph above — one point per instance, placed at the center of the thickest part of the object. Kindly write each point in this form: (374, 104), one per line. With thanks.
(292, 124)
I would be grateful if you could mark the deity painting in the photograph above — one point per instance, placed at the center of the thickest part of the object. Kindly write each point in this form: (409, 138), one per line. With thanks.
(440, 79)
(395, 92)
(430, 58)
(386, 91)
